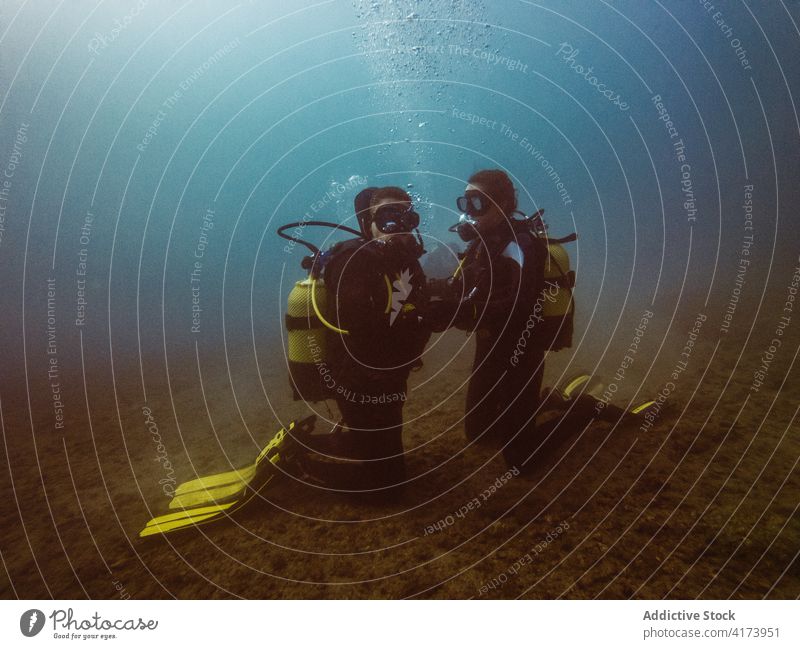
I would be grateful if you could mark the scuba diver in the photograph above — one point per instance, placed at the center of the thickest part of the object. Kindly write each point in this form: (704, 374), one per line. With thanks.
(355, 332)
(513, 288)
(358, 342)
(358, 324)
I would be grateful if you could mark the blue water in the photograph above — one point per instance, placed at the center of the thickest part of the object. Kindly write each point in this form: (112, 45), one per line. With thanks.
(188, 132)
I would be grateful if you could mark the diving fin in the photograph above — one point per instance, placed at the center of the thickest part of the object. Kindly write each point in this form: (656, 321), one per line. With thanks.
(556, 398)
(186, 518)
(640, 409)
(225, 486)
(586, 387)
(215, 497)
(237, 476)
(611, 412)
(574, 385)
(211, 495)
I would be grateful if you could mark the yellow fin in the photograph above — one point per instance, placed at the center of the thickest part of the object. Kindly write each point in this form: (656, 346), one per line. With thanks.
(242, 475)
(574, 384)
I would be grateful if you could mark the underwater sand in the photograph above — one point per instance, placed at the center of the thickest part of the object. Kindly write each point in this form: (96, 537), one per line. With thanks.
(694, 508)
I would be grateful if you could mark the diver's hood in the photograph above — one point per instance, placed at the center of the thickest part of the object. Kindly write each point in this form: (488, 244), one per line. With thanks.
(361, 205)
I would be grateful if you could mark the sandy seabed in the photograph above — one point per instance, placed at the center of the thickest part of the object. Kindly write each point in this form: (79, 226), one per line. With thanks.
(704, 504)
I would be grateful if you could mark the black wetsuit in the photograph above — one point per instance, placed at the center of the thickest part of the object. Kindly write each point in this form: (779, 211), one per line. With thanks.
(375, 292)
(503, 272)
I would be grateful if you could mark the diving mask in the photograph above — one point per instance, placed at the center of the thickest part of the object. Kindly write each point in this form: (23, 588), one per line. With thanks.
(473, 203)
(391, 219)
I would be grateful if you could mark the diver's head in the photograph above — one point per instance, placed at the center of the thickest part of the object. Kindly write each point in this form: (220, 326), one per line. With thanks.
(488, 202)
(361, 205)
(391, 214)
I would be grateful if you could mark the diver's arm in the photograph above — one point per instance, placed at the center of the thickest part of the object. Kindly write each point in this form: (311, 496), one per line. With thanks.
(442, 304)
(494, 301)
(446, 299)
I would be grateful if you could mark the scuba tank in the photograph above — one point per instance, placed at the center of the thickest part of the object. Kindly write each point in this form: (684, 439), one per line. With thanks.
(558, 306)
(306, 344)
(306, 326)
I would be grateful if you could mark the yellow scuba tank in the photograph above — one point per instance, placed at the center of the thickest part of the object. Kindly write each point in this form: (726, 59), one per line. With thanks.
(306, 340)
(306, 326)
(307, 331)
(558, 307)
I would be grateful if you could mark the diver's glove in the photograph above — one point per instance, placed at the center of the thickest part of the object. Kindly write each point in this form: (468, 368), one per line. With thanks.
(467, 314)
